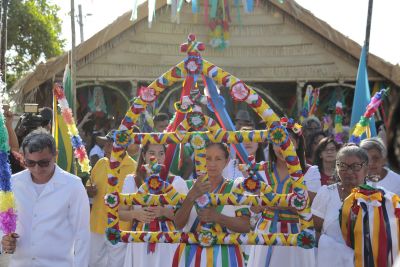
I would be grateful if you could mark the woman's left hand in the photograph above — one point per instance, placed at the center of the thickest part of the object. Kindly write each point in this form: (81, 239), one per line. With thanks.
(208, 215)
(158, 211)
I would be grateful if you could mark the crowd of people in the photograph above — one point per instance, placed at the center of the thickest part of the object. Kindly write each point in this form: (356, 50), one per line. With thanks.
(62, 222)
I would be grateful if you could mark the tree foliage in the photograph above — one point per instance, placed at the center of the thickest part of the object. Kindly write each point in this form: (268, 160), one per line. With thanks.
(33, 34)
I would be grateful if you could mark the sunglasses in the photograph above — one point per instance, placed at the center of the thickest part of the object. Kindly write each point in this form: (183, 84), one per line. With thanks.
(42, 163)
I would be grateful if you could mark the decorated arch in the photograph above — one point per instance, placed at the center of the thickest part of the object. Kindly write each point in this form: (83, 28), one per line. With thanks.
(190, 125)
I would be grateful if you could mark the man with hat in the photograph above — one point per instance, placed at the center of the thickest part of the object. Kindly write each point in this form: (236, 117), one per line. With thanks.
(102, 252)
(243, 119)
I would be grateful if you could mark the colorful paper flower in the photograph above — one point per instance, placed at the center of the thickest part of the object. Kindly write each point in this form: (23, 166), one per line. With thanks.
(122, 138)
(197, 142)
(206, 239)
(203, 201)
(196, 120)
(306, 240)
(113, 235)
(277, 135)
(251, 185)
(239, 91)
(111, 200)
(155, 184)
(147, 94)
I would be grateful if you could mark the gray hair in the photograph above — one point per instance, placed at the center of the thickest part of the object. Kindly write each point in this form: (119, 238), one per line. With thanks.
(309, 120)
(38, 140)
(352, 150)
(374, 143)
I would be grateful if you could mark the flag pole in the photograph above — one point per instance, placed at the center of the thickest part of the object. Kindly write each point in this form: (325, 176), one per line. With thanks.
(73, 59)
(368, 29)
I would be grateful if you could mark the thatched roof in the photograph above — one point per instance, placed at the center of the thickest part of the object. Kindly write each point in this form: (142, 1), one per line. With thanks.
(55, 66)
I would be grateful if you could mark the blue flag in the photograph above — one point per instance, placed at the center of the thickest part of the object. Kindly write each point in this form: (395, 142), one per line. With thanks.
(362, 95)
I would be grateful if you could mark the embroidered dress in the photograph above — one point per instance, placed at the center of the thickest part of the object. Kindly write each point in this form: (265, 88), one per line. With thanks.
(218, 255)
(279, 221)
(145, 254)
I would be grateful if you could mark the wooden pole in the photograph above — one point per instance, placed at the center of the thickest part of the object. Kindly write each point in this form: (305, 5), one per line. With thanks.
(73, 58)
(3, 66)
(368, 29)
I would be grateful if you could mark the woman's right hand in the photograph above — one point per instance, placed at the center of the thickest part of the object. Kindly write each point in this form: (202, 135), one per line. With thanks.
(199, 188)
(257, 209)
(144, 215)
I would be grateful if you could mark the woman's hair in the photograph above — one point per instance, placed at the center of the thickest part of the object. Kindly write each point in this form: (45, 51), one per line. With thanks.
(374, 143)
(349, 150)
(310, 140)
(299, 151)
(37, 141)
(320, 148)
(259, 156)
(224, 147)
(394, 136)
(140, 173)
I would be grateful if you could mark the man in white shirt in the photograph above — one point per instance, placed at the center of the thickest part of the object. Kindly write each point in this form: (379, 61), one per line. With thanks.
(52, 208)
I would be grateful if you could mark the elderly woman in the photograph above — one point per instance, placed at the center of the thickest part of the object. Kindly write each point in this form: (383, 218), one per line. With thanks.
(352, 169)
(378, 174)
(325, 159)
(221, 218)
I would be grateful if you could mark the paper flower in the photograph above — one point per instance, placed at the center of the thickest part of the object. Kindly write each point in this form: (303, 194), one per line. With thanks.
(196, 120)
(251, 185)
(155, 184)
(277, 135)
(147, 94)
(239, 91)
(203, 201)
(197, 142)
(111, 200)
(206, 239)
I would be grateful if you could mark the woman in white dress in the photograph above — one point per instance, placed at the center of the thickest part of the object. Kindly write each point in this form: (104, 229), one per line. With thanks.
(275, 220)
(155, 218)
(352, 168)
(378, 173)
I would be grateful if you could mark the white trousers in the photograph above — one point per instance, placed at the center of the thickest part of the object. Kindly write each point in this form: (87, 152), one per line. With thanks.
(104, 254)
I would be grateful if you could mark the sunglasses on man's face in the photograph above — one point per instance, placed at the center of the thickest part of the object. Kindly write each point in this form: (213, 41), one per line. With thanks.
(42, 163)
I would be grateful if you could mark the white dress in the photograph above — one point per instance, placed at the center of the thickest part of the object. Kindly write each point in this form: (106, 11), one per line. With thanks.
(287, 223)
(190, 255)
(391, 182)
(332, 249)
(137, 254)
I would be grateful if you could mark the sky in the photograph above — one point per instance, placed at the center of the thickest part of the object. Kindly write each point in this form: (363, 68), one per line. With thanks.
(347, 16)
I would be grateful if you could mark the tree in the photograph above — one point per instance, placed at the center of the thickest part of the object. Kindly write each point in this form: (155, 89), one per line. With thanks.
(33, 34)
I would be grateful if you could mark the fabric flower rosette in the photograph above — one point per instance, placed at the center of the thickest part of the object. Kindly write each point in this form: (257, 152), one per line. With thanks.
(8, 214)
(79, 148)
(362, 126)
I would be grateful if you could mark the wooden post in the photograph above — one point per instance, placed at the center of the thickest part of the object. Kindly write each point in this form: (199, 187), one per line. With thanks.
(3, 65)
(368, 30)
(73, 58)
(299, 96)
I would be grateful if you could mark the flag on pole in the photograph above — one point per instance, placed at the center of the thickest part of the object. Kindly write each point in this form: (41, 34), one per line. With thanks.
(362, 95)
(65, 156)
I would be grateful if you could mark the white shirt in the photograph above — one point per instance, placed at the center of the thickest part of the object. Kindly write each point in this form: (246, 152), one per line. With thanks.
(96, 150)
(54, 225)
(391, 182)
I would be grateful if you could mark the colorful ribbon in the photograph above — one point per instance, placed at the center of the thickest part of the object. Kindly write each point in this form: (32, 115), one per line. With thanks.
(8, 213)
(76, 140)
